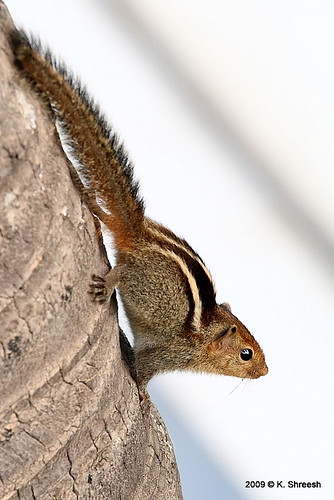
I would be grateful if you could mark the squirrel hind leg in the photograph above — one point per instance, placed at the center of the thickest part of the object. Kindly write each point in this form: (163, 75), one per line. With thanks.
(101, 289)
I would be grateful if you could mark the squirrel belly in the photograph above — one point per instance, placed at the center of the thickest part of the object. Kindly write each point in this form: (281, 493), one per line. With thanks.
(167, 291)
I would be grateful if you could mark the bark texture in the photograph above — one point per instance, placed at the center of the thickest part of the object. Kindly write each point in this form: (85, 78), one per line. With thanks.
(71, 425)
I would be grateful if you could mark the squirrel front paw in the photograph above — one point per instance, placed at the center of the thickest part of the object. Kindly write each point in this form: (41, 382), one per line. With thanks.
(98, 289)
(102, 289)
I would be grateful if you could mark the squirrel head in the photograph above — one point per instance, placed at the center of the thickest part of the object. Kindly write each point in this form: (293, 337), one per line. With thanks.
(232, 350)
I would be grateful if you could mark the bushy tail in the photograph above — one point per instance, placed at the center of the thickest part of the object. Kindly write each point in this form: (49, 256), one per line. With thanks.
(104, 161)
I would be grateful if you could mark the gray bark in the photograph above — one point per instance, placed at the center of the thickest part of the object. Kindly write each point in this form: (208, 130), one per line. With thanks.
(71, 424)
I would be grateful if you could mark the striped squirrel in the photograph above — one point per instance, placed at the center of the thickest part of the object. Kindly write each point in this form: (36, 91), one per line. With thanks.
(166, 289)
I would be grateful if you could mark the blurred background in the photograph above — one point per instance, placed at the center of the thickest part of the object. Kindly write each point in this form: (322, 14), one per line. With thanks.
(226, 108)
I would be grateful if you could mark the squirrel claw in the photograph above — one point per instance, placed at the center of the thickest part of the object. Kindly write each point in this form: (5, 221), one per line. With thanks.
(98, 279)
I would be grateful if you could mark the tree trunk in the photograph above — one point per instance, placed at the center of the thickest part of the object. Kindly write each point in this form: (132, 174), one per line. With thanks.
(71, 424)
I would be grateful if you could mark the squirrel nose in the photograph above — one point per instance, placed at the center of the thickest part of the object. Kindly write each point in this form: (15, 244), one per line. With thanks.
(264, 370)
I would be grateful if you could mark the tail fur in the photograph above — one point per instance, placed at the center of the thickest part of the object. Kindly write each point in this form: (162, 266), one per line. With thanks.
(105, 164)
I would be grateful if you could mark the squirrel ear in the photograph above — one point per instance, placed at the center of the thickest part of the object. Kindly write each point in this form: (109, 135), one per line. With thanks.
(225, 338)
(226, 305)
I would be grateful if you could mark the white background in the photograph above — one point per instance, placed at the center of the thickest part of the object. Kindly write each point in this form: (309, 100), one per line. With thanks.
(227, 110)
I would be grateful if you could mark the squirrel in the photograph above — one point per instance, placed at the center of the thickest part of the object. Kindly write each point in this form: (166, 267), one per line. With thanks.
(167, 291)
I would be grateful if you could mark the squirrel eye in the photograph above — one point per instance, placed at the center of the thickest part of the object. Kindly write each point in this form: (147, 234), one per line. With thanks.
(246, 354)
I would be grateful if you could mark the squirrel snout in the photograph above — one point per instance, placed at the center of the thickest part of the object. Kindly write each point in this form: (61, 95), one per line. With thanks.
(258, 371)
(264, 370)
